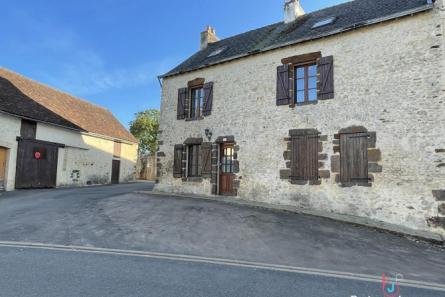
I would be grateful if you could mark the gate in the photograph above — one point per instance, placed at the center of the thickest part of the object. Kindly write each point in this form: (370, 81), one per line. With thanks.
(36, 164)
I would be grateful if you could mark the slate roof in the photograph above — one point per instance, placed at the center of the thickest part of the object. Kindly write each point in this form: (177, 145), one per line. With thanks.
(349, 16)
(27, 98)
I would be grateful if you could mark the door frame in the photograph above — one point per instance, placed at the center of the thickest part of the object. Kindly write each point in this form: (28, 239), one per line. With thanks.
(113, 162)
(222, 146)
(5, 168)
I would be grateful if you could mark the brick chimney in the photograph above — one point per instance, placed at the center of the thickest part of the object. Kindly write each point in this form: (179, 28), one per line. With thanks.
(292, 10)
(208, 36)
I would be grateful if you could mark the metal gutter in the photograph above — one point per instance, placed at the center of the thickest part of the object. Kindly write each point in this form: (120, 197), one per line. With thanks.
(352, 27)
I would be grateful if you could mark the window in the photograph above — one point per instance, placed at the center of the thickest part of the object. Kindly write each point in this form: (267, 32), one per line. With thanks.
(304, 158)
(193, 161)
(354, 157)
(305, 83)
(196, 102)
(227, 160)
(217, 52)
(324, 22)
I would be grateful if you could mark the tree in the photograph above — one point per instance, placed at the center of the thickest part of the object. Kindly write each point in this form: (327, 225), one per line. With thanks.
(145, 128)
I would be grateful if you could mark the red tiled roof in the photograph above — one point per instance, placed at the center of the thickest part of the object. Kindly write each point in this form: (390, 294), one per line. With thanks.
(85, 115)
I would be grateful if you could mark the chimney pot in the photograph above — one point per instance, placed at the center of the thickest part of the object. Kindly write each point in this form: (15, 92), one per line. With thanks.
(292, 10)
(208, 36)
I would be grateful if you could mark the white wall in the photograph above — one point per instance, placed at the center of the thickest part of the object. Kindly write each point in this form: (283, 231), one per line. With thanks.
(87, 159)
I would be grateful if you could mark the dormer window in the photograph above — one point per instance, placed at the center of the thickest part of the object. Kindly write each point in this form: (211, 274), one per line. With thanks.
(324, 22)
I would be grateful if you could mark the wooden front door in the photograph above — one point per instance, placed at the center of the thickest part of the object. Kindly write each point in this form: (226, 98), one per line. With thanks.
(226, 175)
(36, 164)
(115, 171)
(2, 167)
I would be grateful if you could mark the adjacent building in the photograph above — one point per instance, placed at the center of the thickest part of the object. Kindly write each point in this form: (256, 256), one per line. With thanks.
(340, 110)
(51, 139)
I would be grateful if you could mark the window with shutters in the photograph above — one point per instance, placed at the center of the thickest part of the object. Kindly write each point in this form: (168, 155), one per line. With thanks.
(304, 157)
(193, 168)
(305, 80)
(196, 102)
(354, 158)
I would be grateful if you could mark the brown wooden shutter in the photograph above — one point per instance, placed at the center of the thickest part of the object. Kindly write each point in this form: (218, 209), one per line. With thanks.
(298, 157)
(312, 157)
(177, 161)
(325, 85)
(283, 85)
(205, 160)
(304, 161)
(182, 98)
(354, 157)
(208, 98)
(117, 150)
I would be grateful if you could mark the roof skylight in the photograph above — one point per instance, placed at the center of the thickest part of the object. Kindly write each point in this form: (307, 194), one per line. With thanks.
(217, 51)
(324, 22)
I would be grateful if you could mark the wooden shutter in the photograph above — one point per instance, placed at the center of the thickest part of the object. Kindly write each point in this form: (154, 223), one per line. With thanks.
(117, 150)
(304, 161)
(208, 99)
(298, 157)
(354, 157)
(283, 85)
(325, 85)
(177, 162)
(312, 157)
(182, 98)
(28, 129)
(205, 160)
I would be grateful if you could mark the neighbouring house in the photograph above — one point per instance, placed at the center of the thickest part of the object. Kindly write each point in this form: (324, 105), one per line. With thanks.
(341, 110)
(51, 139)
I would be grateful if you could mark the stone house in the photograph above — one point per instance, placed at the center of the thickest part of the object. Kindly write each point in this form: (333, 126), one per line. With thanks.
(51, 139)
(341, 110)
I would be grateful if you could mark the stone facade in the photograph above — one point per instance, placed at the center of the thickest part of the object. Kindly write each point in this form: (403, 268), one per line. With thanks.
(85, 160)
(389, 79)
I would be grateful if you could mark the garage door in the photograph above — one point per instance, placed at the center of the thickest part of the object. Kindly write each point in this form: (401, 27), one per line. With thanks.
(36, 164)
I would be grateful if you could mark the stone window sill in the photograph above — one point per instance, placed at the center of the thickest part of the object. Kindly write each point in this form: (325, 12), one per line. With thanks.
(194, 119)
(193, 179)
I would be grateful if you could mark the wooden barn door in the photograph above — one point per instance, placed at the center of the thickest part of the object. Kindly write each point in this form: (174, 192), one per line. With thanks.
(36, 164)
(115, 171)
(226, 170)
(2, 167)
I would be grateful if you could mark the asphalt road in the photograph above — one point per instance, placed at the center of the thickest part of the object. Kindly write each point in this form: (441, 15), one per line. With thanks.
(116, 217)
(30, 272)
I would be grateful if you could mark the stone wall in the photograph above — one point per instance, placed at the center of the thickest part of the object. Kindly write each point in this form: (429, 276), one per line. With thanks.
(388, 79)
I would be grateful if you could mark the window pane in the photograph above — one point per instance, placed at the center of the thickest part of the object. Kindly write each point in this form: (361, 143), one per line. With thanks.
(300, 96)
(313, 95)
(192, 108)
(312, 70)
(300, 72)
(312, 83)
(300, 84)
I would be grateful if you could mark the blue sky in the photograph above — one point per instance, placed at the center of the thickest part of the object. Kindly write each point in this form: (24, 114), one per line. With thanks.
(111, 51)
